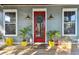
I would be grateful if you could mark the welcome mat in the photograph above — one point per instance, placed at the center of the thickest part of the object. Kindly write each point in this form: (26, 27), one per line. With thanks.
(40, 46)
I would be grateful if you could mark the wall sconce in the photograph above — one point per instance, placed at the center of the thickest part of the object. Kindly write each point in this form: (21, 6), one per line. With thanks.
(50, 17)
(28, 17)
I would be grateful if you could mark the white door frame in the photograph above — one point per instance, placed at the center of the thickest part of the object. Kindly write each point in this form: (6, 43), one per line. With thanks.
(39, 9)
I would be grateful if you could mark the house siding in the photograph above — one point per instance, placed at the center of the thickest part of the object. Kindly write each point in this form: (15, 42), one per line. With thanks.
(54, 24)
(1, 21)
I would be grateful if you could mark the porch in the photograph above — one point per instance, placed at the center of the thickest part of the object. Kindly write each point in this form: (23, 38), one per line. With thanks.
(61, 19)
(54, 21)
(35, 50)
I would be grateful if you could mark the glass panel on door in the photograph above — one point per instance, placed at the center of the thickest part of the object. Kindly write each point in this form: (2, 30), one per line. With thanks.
(39, 28)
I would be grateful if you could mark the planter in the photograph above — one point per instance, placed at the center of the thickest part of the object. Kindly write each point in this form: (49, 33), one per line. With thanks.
(9, 41)
(51, 44)
(24, 43)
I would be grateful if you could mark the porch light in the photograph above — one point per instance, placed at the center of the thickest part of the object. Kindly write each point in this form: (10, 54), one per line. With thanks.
(50, 17)
(28, 17)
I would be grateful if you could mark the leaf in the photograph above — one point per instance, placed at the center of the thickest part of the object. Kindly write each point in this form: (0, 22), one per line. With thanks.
(58, 34)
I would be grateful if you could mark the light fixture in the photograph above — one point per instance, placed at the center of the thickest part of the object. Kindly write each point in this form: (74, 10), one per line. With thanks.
(50, 16)
(28, 17)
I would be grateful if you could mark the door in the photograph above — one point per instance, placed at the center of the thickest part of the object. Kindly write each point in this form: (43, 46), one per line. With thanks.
(39, 26)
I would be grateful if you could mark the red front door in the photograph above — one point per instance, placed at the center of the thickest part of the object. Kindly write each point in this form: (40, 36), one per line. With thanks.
(39, 26)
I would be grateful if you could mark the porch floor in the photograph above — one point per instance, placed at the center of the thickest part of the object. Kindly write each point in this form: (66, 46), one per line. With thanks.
(34, 50)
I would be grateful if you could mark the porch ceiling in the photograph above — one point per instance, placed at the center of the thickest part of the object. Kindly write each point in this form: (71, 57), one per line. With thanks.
(17, 5)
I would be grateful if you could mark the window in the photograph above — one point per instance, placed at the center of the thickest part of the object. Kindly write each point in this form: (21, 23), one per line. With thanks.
(69, 22)
(10, 22)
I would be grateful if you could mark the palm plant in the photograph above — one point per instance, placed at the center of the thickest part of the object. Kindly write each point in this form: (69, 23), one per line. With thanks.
(52, 34)
(0, 35)
(57, 34)
(24, 32)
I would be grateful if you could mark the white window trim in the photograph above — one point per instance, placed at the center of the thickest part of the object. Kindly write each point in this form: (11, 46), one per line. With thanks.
(69, 9)
(9, 10)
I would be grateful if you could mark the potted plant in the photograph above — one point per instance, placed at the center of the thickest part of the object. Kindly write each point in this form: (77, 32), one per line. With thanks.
(1, 36)
(9, 41)
(51, 41)
(23, 33)
(57, 36)
(30, 33)
(52, 35)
